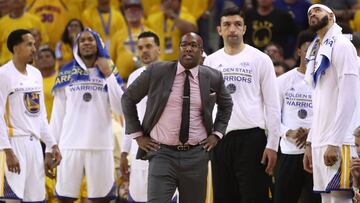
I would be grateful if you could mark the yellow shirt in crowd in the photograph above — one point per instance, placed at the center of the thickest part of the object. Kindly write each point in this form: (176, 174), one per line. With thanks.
(168, 33)
(195, 7)
(150, 6)
(7, 25)
(106, 24)
(54, 14)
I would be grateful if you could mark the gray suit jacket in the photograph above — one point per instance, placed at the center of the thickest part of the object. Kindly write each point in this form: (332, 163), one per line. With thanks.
(156, 82)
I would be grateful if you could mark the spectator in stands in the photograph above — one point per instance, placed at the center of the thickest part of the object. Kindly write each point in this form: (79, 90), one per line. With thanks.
(104, 19)
(201, 11)
(4, 8)
(280, 68)
(64, 48)
(297, 9)
(38, 38)
(123, 45)
(267, 24)
(16, 19)
(54, 16)
(275, 52)
(344, 9)
(45, 62)
(170, 24)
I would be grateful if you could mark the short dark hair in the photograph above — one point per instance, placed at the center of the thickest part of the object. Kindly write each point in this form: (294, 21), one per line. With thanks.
(150, 34)
(304, 36)
(232, 11)
(15, 38)
(47, 49)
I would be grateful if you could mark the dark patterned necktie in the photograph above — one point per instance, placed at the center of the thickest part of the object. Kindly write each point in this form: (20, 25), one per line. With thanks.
(185, 115)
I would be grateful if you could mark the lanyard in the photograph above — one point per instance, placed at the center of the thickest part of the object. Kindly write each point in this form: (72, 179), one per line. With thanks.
(106, 26)
(165, 25)
(131, 41)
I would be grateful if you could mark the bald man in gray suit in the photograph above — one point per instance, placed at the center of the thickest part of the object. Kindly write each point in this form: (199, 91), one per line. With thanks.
(178, 131)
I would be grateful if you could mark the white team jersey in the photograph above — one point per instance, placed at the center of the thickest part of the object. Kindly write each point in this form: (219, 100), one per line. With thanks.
(81, 115)
(250, 78)
(296, 107)
(139, 168)
(22, 107)
(327, 128)
(129, 144)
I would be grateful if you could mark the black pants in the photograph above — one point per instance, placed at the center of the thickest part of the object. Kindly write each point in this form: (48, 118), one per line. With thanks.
(238, 175)
(292, 181)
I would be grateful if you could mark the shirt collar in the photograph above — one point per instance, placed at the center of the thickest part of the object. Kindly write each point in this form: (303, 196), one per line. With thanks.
(194, 71)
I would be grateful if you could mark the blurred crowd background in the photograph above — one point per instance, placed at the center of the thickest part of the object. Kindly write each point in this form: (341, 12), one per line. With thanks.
(272, 25)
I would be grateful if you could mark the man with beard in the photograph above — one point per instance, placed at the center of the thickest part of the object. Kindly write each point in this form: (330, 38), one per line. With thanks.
(246, 156)
(89, 83)
(178, 146)
(23, 123)
(333, 72)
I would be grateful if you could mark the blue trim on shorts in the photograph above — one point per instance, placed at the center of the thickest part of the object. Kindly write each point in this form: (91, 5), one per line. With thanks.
(110, 196)
(64, 197)
(8, 192)
(44, 201)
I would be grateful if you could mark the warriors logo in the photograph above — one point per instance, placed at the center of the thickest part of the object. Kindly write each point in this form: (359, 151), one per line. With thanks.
(32, 102)
(231, 88)
(87, 97)
(302, 113)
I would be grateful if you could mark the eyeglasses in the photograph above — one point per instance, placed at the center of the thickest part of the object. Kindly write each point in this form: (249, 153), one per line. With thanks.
(193, 45)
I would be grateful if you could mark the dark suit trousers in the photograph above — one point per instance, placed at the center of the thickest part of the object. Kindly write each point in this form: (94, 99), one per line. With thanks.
(238, 175)
(185, 170)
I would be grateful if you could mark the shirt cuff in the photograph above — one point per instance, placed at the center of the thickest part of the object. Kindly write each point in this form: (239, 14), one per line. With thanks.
(136, 134)
(5, 143)
(219, 134)
(273, 143)
(49, 149)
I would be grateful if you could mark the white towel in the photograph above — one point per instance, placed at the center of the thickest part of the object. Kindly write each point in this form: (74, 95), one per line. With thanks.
(319, 59)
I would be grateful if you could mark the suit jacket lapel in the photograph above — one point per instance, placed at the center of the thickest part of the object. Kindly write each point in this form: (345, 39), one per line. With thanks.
(167, 83)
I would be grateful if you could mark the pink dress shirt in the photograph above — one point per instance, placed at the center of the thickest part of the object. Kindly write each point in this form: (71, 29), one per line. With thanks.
(167, 129)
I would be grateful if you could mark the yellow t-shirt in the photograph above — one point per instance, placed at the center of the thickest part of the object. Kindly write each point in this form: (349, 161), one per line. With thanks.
(54, 14)
(48, 97)
(195, 7)
(123, 50)
(7, 25)
(93, 3)
(168, 33)
(150, 6)
(355, 23)
(113, 21)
